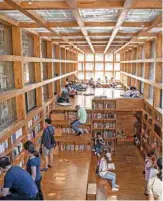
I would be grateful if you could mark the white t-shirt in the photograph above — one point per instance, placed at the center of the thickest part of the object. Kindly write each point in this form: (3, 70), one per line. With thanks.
(154, 187)
(103, 167)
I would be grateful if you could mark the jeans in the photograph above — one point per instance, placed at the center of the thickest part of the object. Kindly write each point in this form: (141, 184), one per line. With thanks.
(110, 176)
(38, 184)
(75, 126)
(98, 148)
(15, 196)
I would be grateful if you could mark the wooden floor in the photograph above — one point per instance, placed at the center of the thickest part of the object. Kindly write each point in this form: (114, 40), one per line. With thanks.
(68, 178)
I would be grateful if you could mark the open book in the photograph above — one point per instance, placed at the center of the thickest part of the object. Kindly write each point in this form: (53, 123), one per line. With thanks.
(111, 166)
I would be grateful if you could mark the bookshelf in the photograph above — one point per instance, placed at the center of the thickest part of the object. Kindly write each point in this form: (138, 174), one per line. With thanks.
(30, 68)
(151, 136)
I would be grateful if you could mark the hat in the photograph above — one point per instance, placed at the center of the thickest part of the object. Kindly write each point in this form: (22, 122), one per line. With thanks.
(108, 156)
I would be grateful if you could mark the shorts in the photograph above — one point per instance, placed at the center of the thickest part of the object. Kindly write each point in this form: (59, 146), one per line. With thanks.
(47, 152)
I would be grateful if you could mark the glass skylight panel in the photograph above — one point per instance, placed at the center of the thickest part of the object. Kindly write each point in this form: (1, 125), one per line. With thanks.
(16, 15)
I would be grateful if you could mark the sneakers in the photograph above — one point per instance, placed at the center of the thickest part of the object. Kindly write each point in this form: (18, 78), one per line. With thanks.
(79, 133)
(44, 169)
(115, 189)
(98, 155)
(95, 153)
(117, 186)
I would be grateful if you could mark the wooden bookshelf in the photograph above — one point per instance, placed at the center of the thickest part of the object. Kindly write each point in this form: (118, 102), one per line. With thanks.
(36, 65)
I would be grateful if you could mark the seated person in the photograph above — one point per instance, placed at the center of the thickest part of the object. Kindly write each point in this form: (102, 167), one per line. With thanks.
(81, 119)
(18, 184)
(132, 92)
(105, 173)
(90, 82)
(106, 79)
(112, 83)
(64, 96)
(98, 83)
(98, 144)
(72, 92)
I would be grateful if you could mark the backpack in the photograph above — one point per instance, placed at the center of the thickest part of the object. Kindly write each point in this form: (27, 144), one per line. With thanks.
(50, 143)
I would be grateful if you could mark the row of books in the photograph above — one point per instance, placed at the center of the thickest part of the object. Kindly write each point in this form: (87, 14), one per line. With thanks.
(106, 134)
(103, 116)
(105, 125)
(73, 147)
(71, 131)
(3, 146)
(32, 133)
(16, 135)
(17, 150)
(103, 106)
(32, 121)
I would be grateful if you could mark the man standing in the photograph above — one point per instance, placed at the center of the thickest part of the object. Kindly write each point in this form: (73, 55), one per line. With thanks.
(81, 119)
(48, 144)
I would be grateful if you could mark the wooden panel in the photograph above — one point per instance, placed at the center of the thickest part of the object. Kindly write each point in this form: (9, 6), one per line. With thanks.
(125, 122)
(129, 104)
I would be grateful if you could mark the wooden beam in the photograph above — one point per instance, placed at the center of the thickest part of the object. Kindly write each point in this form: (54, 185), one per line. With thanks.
(85, 4)
(73, 5)
(37, 18)
(8, 21)
(121, 18)
(86, 24)
(155, 22)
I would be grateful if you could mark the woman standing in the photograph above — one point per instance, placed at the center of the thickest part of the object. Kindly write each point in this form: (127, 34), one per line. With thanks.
(155, 184)
(33, 166)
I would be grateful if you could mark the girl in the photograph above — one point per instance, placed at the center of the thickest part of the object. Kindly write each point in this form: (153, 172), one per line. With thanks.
(33, 166)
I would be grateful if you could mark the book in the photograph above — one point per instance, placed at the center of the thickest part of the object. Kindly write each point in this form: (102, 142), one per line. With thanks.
(111, 166)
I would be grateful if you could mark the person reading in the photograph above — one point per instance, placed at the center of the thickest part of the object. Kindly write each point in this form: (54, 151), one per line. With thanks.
(98, 144)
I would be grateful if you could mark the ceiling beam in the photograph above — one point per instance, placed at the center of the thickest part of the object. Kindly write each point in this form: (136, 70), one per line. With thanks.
(37, 18)
(84, 4)
(86, 24)
(73, 5)
(144, 32)
(8, 21)
(137, 4)
(121, 18)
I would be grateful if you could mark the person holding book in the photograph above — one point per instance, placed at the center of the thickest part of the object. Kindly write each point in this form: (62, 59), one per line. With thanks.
(48, 144)
(18, 183)
(81, 119)
(33, 166)
(112, 83)
(98, 144)
(105, 173)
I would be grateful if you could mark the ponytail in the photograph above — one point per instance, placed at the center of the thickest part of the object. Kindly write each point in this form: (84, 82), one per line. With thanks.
(36, 153)
(159, 164)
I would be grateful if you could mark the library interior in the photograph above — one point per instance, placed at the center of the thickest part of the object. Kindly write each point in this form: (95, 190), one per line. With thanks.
(81, 100)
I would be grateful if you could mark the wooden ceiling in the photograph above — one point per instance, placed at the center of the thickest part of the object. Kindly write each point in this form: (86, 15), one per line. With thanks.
(86, 25)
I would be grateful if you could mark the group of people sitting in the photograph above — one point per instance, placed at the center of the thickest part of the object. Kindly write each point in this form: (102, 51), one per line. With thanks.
(98, 83)
(70, 90)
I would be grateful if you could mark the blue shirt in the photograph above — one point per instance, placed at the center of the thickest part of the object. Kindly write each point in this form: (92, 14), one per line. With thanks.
(21, 181)
(34, 162)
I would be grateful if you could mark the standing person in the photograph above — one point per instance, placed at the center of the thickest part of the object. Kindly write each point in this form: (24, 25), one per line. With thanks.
(99, 144)
(33, 166)
(105, 173)
(18, 184)
(155, 184)
(48, 144)
(81, 119)
(147, 167)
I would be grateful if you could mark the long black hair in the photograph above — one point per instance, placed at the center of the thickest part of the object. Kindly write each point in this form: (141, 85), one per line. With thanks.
(31, 148)
(159, 164)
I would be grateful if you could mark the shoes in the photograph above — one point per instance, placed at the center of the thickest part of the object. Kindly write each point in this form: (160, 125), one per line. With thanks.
(98, 155)
(49, 166)
(93, 149)
(79, 134)
(117, 186)
(44, 169)
(95, 153)
(145, 194)
(115, 189)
